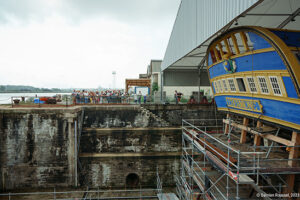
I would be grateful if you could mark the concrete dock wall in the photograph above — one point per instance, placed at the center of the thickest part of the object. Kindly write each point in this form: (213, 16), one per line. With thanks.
(110, 155)
(117, 143)
(37, 148)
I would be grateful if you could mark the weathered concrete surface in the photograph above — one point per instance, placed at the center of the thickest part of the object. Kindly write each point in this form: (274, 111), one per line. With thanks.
(175, 113)
(121, 140)
(109, 155)
(107, 172)
(37, 147)
(115, 116)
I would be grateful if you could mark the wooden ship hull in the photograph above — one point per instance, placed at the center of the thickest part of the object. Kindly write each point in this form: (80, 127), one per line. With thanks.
(255, 72)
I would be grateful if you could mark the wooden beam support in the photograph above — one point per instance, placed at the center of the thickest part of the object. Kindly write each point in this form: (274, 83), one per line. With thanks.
(244, 132)
(226, 131)
(290, 184)
(257, 138)
(267, 136)
(294, 150)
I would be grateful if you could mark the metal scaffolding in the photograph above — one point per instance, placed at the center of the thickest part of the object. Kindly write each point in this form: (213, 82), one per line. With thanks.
(215, 165)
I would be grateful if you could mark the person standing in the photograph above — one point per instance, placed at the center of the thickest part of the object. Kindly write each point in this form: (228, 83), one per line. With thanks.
(176, 97)
(135, 97)
(179, 94)
(139, 97)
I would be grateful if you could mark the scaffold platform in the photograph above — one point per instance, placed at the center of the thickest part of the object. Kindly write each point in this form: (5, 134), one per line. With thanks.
(215, 163)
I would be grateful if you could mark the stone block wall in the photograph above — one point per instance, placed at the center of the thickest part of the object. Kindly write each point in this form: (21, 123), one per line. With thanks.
(36, 148)
(113, 172)
(131, 140)
(110, 155)
(174, 114)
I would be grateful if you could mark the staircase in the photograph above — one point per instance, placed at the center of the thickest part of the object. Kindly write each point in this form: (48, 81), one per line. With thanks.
(149, 114)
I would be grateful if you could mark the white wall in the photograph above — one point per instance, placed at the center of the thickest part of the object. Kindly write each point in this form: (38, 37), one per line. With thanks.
(186, 90)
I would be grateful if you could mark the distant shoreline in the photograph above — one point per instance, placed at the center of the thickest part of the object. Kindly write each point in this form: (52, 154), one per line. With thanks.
(33, 92)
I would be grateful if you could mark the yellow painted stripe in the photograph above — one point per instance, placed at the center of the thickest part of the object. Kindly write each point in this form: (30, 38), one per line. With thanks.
(263, 117)
(277, 98)
(254, 73)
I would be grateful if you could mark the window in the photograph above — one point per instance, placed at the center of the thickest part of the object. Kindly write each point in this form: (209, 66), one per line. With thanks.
(240, 43)
(225, 85)
(231, 46)
(220, 86)
(252, 84)
(275, 85)
(263, 85)
(216, 87)
(241, 84)
(250, 43)
(231, 84)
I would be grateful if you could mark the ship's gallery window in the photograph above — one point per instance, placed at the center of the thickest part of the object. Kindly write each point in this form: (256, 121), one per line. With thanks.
(251, 84)
(225, 85)
(241, 84)
(263, 85)
(231, 84)
(216, 87)
(275, 85)
(240, 43)
(231, 46)
(220, 86)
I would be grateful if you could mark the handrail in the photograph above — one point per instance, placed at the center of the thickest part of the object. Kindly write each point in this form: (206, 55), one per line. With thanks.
(211, 137)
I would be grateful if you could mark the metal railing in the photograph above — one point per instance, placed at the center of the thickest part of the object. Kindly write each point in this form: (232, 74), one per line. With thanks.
(86, 194)
(203, 149)
(69, 100)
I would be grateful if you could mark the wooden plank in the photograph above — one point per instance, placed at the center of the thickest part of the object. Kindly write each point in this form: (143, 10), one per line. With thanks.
(290, 181)
(267, 136)
(210, 147)
(227, 125)
(294, 150)
(244, 179)
(167, 196)
(244, 132)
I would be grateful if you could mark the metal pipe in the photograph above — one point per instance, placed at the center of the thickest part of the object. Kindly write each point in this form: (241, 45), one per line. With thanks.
(75, 152)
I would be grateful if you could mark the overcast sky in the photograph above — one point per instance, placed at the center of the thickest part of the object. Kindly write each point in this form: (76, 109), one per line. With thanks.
(78, 43)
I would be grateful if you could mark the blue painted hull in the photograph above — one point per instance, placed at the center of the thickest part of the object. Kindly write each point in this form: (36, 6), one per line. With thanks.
(256, 62)
(284, 111)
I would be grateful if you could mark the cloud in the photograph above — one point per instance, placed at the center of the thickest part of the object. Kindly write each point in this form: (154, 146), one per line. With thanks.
(77, 10)
(76, 44)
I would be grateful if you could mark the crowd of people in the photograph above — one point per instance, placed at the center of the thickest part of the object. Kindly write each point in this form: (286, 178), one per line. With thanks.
(119, 96)
(107, 96)
(99, 97)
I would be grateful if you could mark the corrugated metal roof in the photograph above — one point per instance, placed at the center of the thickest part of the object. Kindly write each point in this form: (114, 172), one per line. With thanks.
(196, 21)
(199, 21)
